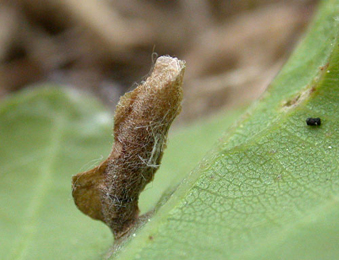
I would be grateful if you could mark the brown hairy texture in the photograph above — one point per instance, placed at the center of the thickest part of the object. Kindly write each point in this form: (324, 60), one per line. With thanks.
(110, 191)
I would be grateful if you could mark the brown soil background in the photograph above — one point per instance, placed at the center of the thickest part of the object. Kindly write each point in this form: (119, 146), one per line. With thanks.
(233, 49)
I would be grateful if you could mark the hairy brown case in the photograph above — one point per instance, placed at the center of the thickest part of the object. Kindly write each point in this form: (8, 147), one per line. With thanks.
(110, 191)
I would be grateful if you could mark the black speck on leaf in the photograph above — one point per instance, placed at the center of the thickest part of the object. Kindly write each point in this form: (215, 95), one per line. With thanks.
(313, 121)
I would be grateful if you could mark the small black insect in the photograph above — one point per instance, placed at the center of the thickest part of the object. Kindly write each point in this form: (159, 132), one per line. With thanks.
(313, 121)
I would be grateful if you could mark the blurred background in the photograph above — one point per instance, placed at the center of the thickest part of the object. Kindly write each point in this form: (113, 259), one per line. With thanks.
(233, 48)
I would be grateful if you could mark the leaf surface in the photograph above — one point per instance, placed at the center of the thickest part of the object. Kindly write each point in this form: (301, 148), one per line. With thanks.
(270, 188)
(46, 136)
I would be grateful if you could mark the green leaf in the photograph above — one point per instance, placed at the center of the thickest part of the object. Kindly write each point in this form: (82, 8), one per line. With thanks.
(270, 188)
(46, 136)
